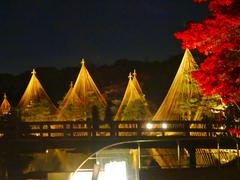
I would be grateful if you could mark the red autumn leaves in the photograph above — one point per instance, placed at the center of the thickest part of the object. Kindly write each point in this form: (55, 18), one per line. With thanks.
(218, 37)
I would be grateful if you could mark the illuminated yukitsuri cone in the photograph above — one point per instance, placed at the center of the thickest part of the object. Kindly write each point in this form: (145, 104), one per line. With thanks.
(35, 104)
(136, 83)
(67, 95)
(183, 93)
(183, 89)
(133, 106)
(147, 115)
(5, 106)
(82, 97)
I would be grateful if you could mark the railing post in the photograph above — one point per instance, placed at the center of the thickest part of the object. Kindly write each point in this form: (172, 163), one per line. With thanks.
(186, 128)
(116, 128)
(111, 124)
(49, 129)
(71, 129)
(40, 129)
(65, 134)
(89, 127)
(139, 128)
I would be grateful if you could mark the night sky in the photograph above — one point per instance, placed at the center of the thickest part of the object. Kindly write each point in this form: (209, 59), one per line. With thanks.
(58, 33)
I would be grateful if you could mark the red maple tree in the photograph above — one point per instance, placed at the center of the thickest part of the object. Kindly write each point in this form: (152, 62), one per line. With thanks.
(218, 37)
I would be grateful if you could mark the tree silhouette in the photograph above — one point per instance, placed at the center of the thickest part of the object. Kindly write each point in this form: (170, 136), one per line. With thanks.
(95, 119)
(108, 113)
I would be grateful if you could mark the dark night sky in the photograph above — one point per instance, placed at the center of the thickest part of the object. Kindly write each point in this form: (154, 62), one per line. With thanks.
(58, 32)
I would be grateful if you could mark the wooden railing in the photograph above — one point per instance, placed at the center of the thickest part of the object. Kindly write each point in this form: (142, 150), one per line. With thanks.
(115, 128)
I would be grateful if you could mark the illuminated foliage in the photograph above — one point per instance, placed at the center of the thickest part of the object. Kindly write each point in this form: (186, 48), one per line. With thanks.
(134, 111)
(78, 102)
(183, 92)
(218, 38)
(5, 106)
(134, 105)
(35, 105)
(37, 110)
(184, 102)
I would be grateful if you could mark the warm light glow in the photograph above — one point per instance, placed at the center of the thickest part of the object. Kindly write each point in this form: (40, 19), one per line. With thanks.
(182, 90)
(35, 104)
(113, 170)
(81, 97)
(82, 176)
(134, 106)
(164, 125)
(215, 111)
(149, 126)
(222, 127)
(5, 106)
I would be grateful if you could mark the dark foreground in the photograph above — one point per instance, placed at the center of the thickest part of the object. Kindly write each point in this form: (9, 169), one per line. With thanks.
(189, 174)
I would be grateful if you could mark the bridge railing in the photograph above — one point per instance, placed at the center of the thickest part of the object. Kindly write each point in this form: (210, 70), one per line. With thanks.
(115, 128)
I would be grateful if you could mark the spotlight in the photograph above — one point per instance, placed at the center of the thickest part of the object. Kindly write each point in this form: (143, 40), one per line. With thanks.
(164, 125)
(149, 126)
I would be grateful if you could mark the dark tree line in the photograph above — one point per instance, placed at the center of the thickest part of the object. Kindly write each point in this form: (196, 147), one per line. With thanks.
(154, 77)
